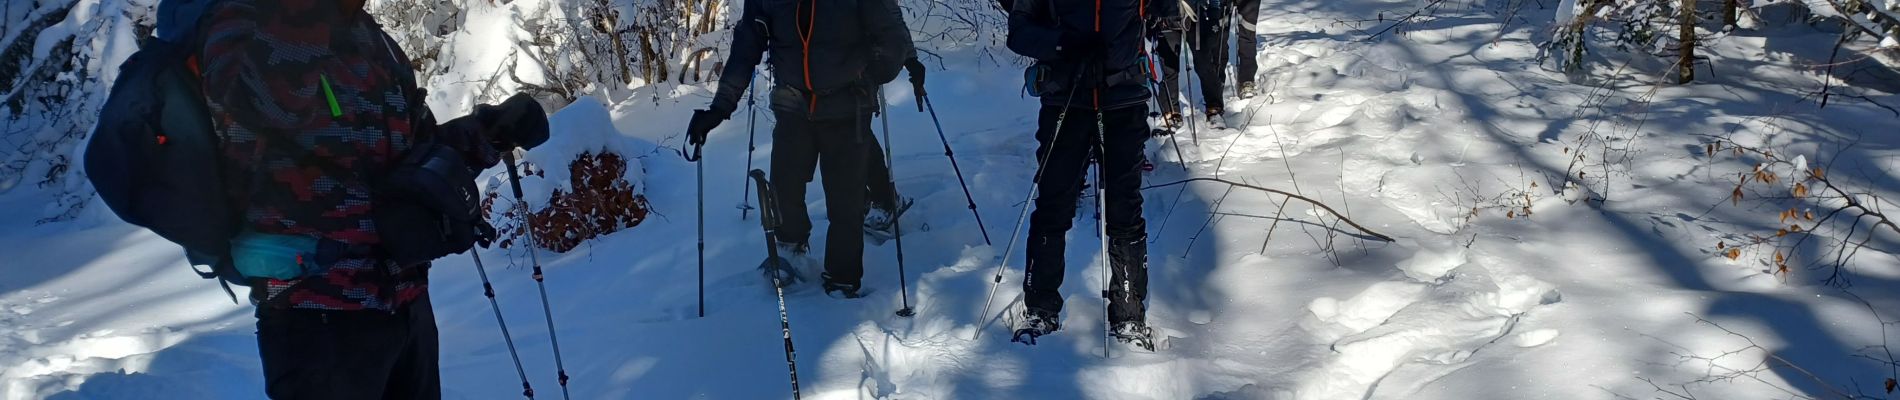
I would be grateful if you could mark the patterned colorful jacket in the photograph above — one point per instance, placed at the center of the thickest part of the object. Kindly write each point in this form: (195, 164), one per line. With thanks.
(315, 104)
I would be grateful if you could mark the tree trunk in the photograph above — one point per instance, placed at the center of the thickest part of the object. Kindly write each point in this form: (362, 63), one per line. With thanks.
(1685, 66)
(1728, 13)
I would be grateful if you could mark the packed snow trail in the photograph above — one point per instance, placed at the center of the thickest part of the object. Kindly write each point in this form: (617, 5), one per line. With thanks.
(1431, 137)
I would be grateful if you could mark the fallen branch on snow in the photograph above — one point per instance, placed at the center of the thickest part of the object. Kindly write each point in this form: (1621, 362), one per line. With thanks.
(1315, 203)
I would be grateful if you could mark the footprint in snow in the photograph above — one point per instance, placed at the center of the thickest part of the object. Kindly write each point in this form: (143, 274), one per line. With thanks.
(1447, 321)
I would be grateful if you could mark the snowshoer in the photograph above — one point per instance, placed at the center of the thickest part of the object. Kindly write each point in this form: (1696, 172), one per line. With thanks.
(1090, 77)
(829, 58)
(1167, 32)
(343, 187)
(1216, 20)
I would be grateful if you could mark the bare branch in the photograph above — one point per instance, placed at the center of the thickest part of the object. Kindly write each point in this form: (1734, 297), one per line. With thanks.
(1315, 203)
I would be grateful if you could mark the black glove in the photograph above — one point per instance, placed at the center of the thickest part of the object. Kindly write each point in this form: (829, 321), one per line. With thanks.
(916, 69)
(518, 122)
(703, 123)
(1079, 46)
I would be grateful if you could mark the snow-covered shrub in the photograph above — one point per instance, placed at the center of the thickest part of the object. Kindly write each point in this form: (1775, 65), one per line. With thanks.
(1673, 28)
(597, 200)
(582, 184)
(57, 61)
(1822, 222)
(1639, 25)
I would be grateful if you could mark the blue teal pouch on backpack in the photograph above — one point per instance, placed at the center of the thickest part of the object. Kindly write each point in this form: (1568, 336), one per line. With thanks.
(281, 257)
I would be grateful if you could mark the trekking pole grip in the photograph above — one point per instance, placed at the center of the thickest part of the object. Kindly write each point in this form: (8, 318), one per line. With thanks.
(514, 178)
(694, 155)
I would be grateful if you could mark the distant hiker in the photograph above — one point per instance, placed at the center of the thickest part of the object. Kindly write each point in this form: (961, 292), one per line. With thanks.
(1216, 20)
(1167, 31)
(1089, 75)
(829, 58)
(287, 145)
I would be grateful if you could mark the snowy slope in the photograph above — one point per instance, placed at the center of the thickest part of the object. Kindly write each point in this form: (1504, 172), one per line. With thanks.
(1407, 135)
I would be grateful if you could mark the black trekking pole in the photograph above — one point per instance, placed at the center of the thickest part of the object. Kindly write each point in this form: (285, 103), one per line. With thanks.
(1101, 225)
(952, 155)
(890, 164)
(699, 173)
(1166, 101)
(1193, 75)
(751, 144)
(778, 268)
(514, 180)
(488, 290)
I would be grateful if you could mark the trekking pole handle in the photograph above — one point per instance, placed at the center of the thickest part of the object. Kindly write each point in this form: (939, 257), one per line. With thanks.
(514, 178)
(694, 155)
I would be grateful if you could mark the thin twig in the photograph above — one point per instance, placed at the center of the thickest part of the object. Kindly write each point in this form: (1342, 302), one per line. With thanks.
(1315, 203)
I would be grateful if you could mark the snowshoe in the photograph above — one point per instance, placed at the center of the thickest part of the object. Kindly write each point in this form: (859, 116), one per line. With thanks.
(1135, 334)
(1169, 124)
(1033, 325)
(1247, 90)
(1216, 118)
(881, 224)
(779, 272)
(839, 290)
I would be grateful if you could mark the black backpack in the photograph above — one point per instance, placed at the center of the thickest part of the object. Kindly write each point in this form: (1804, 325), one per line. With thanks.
(154, 155)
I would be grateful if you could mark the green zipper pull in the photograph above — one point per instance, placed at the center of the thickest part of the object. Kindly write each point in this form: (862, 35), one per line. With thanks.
(335, 111)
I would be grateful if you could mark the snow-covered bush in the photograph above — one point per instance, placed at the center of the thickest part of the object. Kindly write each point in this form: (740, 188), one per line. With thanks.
(583, 183)
(57, 61)
(1673, 28)
(1822, 221)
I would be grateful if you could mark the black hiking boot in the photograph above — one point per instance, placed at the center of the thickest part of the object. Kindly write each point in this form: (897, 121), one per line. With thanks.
(1034, 324)
(841, 290)
(1135, 333)
(1216, 118)
(1247, 90)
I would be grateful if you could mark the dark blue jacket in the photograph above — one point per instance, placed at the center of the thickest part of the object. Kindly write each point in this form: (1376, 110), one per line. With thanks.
(828, 56)
(1036, 27)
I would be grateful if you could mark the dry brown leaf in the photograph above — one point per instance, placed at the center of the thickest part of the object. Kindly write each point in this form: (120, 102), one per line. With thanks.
(1810, 215)
(1800, 190)
(1734, 253)
(1891, 384)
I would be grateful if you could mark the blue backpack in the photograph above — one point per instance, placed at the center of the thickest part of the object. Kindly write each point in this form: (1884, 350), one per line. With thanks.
(154, 155)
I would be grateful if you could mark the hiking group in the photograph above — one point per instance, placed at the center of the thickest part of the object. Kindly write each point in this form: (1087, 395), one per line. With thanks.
(286, 145)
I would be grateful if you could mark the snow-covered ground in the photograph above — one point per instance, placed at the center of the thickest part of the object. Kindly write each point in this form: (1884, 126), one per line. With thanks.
(1537, 294)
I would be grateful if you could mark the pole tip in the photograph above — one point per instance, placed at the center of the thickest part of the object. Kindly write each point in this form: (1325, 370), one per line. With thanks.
(906, 312)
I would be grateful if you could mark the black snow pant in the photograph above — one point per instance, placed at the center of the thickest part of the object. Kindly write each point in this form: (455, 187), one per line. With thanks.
(350, 355)
(880, 189)
(1066, 157)
(1211, 51)
(801, 145)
